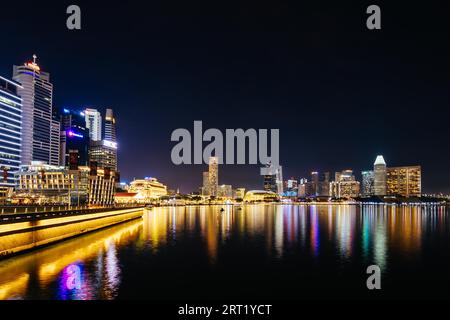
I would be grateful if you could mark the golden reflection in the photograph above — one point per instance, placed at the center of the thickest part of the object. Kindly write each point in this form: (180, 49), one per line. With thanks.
(12, 288)
(48, 263)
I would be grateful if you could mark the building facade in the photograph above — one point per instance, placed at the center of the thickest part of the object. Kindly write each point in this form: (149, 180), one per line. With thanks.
(240, 193)
(273, 178)
(10, 135)
(104, 154)
(225, 191)
(405, 181)
(213, 174)
(367, 188)
(345, 186)
(147, 190)
(38, 137)
(93, 119)
(74, 138)
(40, 183)
(379, 172)
(205, 187)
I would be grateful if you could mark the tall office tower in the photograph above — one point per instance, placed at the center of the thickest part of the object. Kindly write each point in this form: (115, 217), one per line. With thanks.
(273, 178)
(205, 188)
(270, 183)
(110, 134)
(279, 180)
(104, 154)
(10, 132)
(404, 181)
(324, 185)
(110, 126)
(74, 139)
(37, 123)
(367, 183)
(379, 172)
(55, 142)
(93, 120)
(314, 184)
(213, 175)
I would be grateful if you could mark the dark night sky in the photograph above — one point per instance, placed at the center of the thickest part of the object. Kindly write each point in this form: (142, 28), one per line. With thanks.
(339, 93)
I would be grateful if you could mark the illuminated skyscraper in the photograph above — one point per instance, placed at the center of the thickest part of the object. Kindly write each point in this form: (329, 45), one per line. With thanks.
(367, 183)
(273, 178)
(405, 181)
(74, 138)
(39, 141)
(110, 136)
(213, 175)
(205, 188)
(104, 154)
(379, 172)
(93, 120)
(110, 126)
(10, 134)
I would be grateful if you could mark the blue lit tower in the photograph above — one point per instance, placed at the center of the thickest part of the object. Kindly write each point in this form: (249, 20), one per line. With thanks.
(10, 132)
(74, 137)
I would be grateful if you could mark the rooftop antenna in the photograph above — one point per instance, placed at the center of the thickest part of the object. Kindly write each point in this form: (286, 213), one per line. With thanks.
(34, 58)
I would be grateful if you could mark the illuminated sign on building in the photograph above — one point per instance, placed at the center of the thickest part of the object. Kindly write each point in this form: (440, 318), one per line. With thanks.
(74, 134)
(110, 144)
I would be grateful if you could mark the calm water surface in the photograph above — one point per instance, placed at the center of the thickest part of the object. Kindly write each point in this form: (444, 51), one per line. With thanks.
(256, 251)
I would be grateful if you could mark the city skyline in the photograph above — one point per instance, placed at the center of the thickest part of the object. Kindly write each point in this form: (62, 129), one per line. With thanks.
(90, 117)
(371, 96)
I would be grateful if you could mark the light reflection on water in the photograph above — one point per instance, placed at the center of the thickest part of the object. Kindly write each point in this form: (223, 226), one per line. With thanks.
(331, 236)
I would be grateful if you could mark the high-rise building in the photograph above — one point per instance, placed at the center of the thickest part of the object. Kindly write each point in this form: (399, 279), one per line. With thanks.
(313, 187)
(110, 126)
(379, 172)
(38, 140)
(213, 175)
(324, 185)
(273, 178)
(346, 186)
(110, 135)
(205, 188)
(74, 138)
(104, 154)
(367, 183)
(404, 181)
(93, 120)
(10, 134)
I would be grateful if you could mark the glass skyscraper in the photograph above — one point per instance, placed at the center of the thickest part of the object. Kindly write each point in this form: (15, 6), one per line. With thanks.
(213, 175)
(379, 172)
(40, 141)
(367, 183)
(93, 120)
(10, 133)
(110, 126)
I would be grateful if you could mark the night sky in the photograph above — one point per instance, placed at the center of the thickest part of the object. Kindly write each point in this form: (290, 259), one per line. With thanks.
(339, 93)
